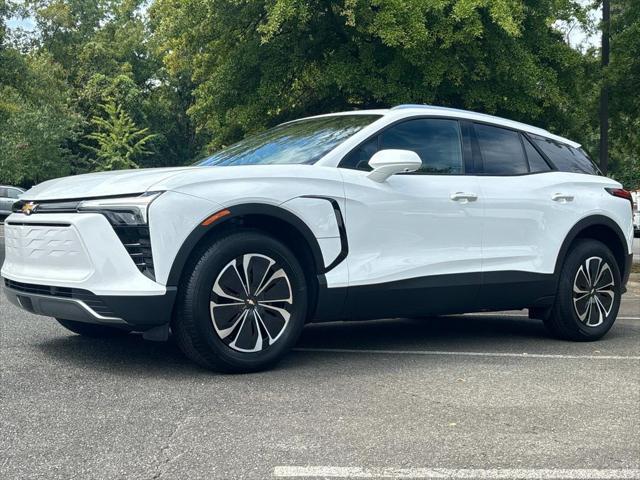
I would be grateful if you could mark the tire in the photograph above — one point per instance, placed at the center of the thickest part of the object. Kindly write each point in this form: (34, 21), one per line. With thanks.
(91, 329)
(589, 293)
(221, 327)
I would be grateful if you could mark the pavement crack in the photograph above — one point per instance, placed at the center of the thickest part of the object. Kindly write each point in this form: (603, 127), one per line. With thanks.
(165, 459)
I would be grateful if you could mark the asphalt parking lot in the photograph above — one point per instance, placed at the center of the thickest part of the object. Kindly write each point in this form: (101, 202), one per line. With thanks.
(477, 396)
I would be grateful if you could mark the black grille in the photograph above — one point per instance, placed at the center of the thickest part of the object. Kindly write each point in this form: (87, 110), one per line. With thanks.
(137, 241)
(91, 300)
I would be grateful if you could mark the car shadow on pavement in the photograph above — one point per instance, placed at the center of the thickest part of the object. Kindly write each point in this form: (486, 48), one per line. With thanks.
(131, 355)
(127, 355)
(425, 333)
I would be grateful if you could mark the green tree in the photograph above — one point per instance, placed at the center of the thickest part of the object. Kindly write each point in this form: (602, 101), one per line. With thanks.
(624, 77)
(107, 51)
(37, 120)
(255, 63)
(119, 142)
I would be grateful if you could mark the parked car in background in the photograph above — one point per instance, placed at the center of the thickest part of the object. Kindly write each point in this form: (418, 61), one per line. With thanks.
(8, 196)
(406, 212)
(636, 212)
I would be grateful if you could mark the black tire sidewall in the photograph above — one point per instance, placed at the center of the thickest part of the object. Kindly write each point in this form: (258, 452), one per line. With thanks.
(204, 275)
(565, 309)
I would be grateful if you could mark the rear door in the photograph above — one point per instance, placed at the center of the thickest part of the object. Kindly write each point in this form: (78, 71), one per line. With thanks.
(528, 209)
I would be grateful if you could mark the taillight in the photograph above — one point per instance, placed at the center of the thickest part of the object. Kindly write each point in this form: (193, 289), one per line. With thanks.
(621, 193)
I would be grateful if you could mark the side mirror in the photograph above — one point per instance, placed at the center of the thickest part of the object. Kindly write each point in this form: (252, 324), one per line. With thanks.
(389, 162)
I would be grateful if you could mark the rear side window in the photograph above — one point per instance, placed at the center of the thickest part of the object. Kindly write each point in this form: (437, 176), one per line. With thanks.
(502, 152)
(565, 157)
(3, 192)
(537, 164)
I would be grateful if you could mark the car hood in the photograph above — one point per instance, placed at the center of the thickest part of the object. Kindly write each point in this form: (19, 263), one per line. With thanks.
(102, 184)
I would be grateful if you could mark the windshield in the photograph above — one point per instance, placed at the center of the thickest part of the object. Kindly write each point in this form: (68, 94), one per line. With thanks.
(302, 142)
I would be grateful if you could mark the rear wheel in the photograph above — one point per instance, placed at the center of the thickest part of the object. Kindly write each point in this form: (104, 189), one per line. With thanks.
(589, 294)
(91, 329)
(242, 305)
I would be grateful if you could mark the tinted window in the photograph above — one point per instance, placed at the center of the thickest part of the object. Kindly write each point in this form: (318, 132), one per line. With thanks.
(359, 157)
(501, 149)
(301, 142)
(565, 157)
(437, 142)
(536, 162)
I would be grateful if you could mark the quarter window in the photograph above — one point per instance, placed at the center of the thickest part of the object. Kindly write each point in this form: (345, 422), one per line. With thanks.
(536, 162)
(501, 150)
(565, 157)
(359, 158)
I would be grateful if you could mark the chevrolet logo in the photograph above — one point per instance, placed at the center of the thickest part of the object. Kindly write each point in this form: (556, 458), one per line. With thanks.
(28, 208)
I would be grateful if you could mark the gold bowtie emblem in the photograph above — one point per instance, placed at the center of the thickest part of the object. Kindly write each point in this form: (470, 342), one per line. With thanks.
(28, 208)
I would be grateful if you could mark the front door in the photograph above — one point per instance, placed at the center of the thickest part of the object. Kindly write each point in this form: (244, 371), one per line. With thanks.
(414, 239)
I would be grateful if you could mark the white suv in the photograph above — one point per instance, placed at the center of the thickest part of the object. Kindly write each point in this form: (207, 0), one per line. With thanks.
(411, 211)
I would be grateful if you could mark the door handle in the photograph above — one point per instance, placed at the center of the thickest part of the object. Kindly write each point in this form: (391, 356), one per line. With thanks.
(464, 197)
(562, 198)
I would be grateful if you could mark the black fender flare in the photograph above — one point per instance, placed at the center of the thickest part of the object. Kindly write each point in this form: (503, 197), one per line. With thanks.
(591, 221)
(194, 238)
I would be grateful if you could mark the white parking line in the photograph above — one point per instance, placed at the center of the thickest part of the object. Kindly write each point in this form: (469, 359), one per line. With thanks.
(465, 354)
(524, 315)
(455, 473)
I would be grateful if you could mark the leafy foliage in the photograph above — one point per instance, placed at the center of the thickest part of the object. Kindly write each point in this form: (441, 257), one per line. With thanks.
(624, 78)
(193, 75)
(256, 63)
(36, 119)
(119, 141)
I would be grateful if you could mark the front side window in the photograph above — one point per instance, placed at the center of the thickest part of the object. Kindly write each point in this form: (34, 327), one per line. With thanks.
(437, 142)
(300, 142)
(565, 157)
(13, 193)
(501, 150)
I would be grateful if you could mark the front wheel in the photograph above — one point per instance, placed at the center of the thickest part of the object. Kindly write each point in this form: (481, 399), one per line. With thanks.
(589, 294)
(242, 305)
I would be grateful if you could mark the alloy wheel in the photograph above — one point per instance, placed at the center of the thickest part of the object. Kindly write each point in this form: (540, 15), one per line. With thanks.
(593, 291)
(251, 303)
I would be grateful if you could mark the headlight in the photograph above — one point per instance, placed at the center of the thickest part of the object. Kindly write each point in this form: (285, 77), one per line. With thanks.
(122, 211)
(129, 217)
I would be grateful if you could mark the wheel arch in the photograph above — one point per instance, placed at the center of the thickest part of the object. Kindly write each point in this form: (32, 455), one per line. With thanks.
(597, 227)
(274, 220)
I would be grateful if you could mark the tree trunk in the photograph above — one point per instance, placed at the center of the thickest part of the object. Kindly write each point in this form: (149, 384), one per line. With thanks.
(604, 91)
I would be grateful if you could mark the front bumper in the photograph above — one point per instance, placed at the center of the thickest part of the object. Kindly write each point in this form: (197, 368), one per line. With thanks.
(74, 266)
(137, 313)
